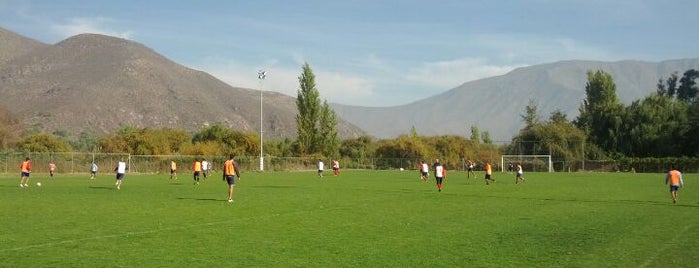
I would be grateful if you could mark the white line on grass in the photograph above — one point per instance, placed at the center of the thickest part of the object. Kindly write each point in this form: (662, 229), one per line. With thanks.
(666, 246)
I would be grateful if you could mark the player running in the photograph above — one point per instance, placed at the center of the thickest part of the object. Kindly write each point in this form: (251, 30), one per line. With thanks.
(52, 168)
(336, 167)
(470, 166)
(173, 169)
(25, 168)
(488, 173)
(120, 170)
(196, 167)
(424, 170)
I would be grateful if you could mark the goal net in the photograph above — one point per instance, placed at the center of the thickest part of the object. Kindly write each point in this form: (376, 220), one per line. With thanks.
(535, 163)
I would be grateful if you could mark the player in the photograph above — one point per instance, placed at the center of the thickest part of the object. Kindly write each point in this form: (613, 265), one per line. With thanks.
(520, 174)
(424, 170)
(205, 167)
(230, 170)
(439, 173)
(488, 173)
(93, 170)
(173, 169)
(196, 167)
(470, 166)
(26, 168)
(52, 168)
(321, 166)
(674, 179)
(510, 168)
(336, 167)
(120, 170)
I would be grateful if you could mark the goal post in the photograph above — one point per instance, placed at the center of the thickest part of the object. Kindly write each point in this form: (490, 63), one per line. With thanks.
(537, 163)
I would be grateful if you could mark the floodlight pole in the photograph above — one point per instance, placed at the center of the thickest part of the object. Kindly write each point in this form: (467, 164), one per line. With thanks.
(261, 77)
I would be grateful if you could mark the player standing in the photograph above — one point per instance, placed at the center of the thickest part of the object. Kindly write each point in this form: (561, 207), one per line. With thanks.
(674, 179)
(230, 170)
(93, 170)
(52, 168)
(173, 169)
(336, 167)
(488, 173)
(205, 167)
(120, 170)
(196, 167)
(439, 173)
(26, 168)
(520, 174)
(424, 170)
(321, 167)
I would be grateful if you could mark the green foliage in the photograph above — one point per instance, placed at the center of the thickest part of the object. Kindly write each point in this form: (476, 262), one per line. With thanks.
(475, 134)
(654, 125)
(357, 148)
(316, 124)
(687, 91)
(279, 147)
(601, 115)
(531, 115)
(43, 142)
(228, 140)
(144, 141)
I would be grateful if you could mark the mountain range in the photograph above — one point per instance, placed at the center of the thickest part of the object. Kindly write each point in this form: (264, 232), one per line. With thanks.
(101, 83)
(496, 104)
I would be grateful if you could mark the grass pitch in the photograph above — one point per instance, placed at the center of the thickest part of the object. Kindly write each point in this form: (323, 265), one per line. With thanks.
(359, 219)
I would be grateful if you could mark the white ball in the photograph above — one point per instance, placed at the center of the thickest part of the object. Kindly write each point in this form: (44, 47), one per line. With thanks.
(38, 184)
(401, 169)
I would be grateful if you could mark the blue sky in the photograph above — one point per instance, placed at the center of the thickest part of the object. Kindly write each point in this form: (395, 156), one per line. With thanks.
(372, 52)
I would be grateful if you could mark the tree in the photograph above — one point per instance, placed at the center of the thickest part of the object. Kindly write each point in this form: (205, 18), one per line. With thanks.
(475, 134)
(601, 114)
(43, 142)
(687, 91)
(316, 124)
(558, 117)
(657, 123)
(531, 115)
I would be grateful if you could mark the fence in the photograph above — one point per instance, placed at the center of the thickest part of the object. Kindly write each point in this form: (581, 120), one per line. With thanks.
(78, 162)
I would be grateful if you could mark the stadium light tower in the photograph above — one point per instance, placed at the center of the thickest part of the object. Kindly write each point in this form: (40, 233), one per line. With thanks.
(261, 75)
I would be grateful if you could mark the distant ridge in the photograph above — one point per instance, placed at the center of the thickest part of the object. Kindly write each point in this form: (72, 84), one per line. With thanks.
(495, 104)
(101, 83)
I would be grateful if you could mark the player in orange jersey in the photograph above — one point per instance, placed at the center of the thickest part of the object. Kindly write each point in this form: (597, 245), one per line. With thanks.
(488, 173)
(230, 171)
(674, 179)
(26, 168)
(196, 167)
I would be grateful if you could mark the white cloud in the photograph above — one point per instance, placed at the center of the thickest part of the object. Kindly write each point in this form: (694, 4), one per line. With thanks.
(452, 73)
(96, 25)
(333, 86)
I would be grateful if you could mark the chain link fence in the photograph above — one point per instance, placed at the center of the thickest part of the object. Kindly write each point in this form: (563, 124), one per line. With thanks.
(77, 162)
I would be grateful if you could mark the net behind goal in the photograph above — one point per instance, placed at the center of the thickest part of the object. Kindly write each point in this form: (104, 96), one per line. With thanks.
(535, 163)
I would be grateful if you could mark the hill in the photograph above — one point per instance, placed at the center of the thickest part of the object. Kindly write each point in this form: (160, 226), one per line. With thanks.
(495, 104)
(102, 83)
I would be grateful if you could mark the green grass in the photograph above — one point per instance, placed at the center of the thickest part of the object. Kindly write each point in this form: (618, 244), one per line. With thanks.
(360, 219)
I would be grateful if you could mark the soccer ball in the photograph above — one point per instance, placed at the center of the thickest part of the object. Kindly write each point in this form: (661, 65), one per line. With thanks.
(401, 169)
(38, 184)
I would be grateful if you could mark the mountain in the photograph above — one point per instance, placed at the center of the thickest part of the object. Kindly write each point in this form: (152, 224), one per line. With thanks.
(101, 83)
(495, 104)
(14, 45)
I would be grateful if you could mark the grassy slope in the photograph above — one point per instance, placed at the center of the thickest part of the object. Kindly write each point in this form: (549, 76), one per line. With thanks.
(363, 218)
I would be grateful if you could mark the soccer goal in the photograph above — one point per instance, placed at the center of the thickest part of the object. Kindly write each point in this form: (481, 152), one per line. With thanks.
(536, 163)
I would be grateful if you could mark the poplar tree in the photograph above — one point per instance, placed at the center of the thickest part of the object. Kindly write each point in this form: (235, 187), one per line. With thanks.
(316, 124)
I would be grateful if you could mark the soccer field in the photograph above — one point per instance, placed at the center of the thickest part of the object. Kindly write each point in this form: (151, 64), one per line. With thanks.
(359, 219)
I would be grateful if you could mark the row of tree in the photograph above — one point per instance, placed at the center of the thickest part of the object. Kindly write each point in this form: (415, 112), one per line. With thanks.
(663, 124)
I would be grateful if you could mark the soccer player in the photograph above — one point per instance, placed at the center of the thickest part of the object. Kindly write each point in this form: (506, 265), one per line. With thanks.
(93, 170)
(230, 170)
(26, 168)
(120, 170)
(52, 168)
(196, 167)
(439, 173)
(336, 167)
(674, 179)
(520, 174)
(205, 167)
(424, 170)
(488, 173)
(321, 167)
(173, 169)
(470, 166)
